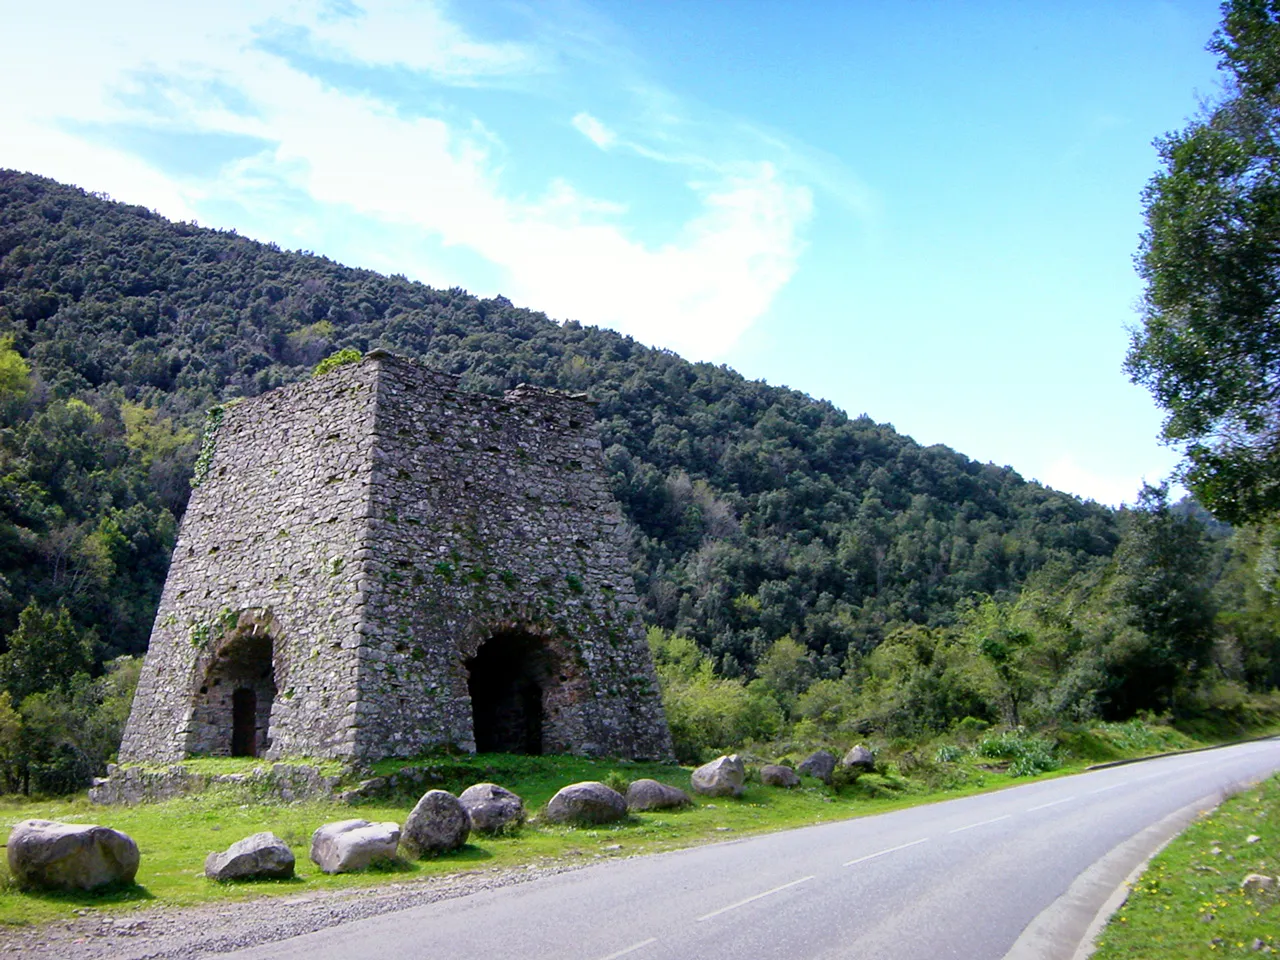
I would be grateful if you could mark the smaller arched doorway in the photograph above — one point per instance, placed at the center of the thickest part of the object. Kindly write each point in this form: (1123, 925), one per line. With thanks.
(232, 709)
(508, 680)
(244, 722)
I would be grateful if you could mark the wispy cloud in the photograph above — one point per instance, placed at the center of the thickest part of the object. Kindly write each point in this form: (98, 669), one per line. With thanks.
(595, 131)
(416, 36)
(444, 173)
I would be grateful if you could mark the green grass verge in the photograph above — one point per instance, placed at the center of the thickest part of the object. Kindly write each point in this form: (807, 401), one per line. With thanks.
(175, 836)
(1189, 902)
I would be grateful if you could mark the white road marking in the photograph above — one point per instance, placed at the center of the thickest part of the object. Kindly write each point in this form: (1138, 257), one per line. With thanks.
(1045, 806)
(1150, 776)
(631, 949)
(982, 824)
(872, 856)
(743, 903)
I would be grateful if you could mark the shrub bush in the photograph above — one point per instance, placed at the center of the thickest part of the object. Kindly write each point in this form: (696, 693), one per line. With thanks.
(948, 753)
(1027, 755)
(616, 781)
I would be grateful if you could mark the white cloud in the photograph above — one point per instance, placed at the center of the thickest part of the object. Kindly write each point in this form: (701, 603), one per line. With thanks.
(594, 130)
(417, 36)
(61, 156)
(1112, 489)
(697, 294)
(563, 251)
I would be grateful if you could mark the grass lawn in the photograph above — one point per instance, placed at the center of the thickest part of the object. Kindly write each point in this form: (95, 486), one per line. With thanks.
(1189, 902)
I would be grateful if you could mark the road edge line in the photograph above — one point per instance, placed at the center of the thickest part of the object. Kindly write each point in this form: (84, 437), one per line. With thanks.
(1059, 931)
(1178, 753)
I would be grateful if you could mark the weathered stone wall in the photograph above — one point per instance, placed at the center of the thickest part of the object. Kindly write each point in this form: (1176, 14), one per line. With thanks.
(371, 530)
(270, 543)
(495, 516)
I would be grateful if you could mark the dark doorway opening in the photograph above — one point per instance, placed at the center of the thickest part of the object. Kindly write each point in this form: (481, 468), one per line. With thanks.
(244, 723)
(232, 709)
(506, 679)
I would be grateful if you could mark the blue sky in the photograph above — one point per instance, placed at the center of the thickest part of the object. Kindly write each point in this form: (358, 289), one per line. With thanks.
(922, 211)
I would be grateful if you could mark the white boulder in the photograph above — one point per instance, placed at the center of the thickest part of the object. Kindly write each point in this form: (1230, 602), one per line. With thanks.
(349, 845)
(722, 777)
(70, 856)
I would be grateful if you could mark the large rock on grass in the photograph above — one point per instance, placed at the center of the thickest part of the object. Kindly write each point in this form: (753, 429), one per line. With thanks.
(491, 808)
(778, 775)
(859, 758)
(588, 802)
(263, 856)
(820, 764)
(722, 777)
(349, 845)
(654, 795)
(70, 856)
(438, 824)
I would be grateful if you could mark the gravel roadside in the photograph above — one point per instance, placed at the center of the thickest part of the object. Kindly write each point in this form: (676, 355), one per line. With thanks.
(184, 933)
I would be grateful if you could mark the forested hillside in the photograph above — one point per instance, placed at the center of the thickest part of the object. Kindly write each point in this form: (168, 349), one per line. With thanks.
(804, 574)
(758, 511)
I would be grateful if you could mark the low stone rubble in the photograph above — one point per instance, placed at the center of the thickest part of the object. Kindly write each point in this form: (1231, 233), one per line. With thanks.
(129, 785)
(190, 933)
(1258, 883)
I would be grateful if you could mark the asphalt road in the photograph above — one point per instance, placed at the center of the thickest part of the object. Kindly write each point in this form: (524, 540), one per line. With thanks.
(1018, 873)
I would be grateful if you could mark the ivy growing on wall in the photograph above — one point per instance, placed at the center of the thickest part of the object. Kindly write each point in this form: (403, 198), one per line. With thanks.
(209, 442)
(204, 631)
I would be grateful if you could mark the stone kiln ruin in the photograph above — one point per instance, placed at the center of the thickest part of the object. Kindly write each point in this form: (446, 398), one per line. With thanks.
(380, 564)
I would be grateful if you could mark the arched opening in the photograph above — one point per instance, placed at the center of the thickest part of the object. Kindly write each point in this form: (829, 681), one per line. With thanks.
(232, 714)
(508, 680)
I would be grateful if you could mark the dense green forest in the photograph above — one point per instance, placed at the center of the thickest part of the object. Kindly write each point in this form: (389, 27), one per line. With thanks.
(803, 553)
(759, 511)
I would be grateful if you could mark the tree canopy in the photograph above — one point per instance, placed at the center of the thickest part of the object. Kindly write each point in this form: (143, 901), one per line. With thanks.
(1209, 345)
